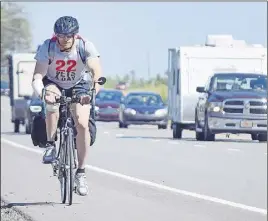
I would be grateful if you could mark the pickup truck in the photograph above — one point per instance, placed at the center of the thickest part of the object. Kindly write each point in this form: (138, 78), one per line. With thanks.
(232, 103)
(190, 66)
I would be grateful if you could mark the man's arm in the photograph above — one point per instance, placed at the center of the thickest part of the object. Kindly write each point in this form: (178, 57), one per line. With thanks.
(95, 68)
(93, 62)
(39, 72)
(41, 68)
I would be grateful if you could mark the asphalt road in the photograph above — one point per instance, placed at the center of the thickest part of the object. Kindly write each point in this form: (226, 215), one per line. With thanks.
(141, 174)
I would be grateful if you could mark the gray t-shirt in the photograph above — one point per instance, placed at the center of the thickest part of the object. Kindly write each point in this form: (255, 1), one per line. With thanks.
(67, 68)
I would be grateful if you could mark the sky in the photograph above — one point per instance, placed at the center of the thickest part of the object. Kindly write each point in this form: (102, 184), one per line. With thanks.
(135, 36)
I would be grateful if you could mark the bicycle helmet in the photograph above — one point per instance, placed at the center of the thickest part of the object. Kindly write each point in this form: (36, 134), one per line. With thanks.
(66, 25)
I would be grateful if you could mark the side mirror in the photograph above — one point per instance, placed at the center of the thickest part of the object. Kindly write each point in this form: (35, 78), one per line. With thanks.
(200, 89)
(101, 81)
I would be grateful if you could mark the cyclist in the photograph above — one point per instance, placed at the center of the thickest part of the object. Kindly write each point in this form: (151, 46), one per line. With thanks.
(67, 71)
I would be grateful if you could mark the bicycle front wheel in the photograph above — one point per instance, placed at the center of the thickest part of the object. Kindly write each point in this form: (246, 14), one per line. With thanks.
(62, 168)
(70, 164)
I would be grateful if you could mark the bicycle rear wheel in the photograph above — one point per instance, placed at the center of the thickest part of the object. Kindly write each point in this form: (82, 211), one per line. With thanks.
(69, 162)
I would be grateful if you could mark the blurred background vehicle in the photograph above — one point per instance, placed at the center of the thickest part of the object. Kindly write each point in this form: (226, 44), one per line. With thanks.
(122, 86)
(20, 71)
(193, 65)
(107, 104)
(232, 103)
(4, 88)
(143, 108)
(34, 106)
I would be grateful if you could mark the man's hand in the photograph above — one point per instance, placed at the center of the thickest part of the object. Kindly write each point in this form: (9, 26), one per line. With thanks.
(50, 99)
(85, 99)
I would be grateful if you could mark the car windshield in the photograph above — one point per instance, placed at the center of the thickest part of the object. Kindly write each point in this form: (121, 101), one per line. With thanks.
(109, 96)
(144, 99)
(239, 82)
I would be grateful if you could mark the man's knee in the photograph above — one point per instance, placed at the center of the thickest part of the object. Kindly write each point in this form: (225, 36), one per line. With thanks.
(82, 124)
(52, 89)
(81, 116)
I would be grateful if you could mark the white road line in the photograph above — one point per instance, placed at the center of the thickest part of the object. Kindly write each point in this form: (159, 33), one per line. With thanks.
(106, 132)
(199, 145)
(119, 135)
(151, 184)
(232, 149)
(173, 142)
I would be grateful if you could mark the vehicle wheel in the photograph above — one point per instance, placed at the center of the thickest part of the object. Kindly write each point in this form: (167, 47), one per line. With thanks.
(17, 126)
(177, 131)
(262, 137)
(198, 135)
(162, 127)
(208, 136)
(28, 126)
(254, 136)
(122, 125)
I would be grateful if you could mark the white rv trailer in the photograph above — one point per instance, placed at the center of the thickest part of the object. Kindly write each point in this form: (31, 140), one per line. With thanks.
(191, 66)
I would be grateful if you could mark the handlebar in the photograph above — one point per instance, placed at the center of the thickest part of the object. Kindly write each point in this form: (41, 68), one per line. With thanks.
(62, 100)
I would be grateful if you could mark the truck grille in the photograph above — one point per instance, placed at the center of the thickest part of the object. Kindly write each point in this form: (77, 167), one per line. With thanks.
(233, 110)
(252, 107)
(257, 111)
(234, 103)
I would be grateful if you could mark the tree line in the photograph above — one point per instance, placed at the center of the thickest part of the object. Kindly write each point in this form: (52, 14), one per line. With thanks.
(136, 82)
(16, 35)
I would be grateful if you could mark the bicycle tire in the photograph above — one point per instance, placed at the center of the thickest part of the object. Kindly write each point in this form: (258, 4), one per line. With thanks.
(70, 162)
(62, 169)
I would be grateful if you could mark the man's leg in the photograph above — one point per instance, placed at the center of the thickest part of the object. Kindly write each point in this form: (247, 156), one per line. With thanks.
(52, 117)
(81, 117)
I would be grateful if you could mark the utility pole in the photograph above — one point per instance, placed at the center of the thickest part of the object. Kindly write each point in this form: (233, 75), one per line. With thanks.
(148, 65)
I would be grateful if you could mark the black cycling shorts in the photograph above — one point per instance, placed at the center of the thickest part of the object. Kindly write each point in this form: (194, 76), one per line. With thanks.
(81, 88)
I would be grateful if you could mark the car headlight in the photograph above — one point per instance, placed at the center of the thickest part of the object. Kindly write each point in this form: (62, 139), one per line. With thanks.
(215, 106)
(35, 109)
(97, 108)
(161, 112)
(130, 111)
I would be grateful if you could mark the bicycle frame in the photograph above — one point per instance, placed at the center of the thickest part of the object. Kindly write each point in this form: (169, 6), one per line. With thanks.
(65, 122)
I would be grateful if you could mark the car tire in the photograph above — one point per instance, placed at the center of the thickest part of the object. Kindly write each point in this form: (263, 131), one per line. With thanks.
(122, 125)
(28, 126)
(162, 127)
(16, 126)
(262, 137)
(208, 136)
(198, 135)
(254, 136)
(177, 131)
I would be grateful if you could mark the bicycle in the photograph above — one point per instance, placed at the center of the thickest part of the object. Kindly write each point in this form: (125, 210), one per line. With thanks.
(66, 157)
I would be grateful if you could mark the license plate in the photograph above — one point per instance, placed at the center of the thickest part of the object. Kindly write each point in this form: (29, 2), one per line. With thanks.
(246, 124)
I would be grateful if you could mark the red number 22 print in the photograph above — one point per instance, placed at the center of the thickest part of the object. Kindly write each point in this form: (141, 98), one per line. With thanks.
(70, 65)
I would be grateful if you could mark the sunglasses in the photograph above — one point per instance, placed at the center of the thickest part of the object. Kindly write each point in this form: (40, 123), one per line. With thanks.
(65, 36)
